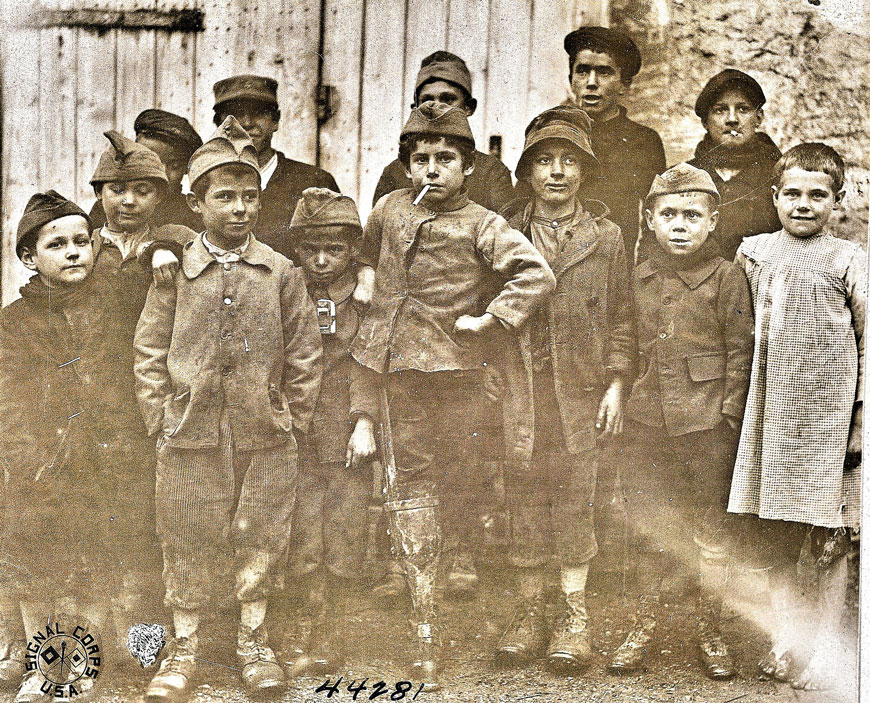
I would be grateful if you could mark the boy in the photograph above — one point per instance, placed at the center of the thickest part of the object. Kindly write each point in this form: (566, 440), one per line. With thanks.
(335, 482)
(694, 320)
(450, 277)
(566, 385)
(798, 465)
(227, 365)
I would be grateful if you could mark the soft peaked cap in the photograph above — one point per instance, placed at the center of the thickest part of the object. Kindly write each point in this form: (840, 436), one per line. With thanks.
(619, 46)
(168, 127)
(246, 87)
(230, 144)
(682, 178)
(729, 78)
(321, 207)
(126, 160)
(450, 70)
(438, 119)
(43, 208)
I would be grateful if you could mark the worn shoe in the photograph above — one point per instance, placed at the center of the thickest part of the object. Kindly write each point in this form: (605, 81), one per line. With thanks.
(713, 653)
(29, 691)
(173, 682)
(525, 637)
(427, 669)
(325, 651)
(629, 657)
(391, 587)
(462, 578)
(261, 673)
(11, 663)
(778, 668)
(570, 647)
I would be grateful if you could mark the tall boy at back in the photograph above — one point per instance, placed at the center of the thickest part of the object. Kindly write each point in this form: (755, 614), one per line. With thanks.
(227, 365)
(450, 277)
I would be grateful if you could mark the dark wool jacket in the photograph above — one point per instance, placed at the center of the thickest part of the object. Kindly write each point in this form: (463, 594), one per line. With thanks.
(173, 210)
(747, 205)
(592, 334)
(489, 184)
(695, 335)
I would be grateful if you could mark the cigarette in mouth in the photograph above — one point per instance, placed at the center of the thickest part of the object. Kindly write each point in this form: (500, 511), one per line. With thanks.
(734, 133)
(422, 194)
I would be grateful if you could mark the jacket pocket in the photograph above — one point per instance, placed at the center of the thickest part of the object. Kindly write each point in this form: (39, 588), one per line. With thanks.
(175, 410)
(281, 416)
(706, 367)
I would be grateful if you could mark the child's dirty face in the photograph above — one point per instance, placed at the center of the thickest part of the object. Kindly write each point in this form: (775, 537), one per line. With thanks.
(438, 165)
(556, 172)
(174, 162)
(325, 253)
(443, 92)
(805, 200)
(256, 118)
(596, 82)
(63, 254)
(230, 205)
(732, 119)
(682, 221)
(130, 205)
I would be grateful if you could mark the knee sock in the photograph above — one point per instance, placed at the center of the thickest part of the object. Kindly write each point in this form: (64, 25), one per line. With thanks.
(186, 622)
(253, 613)
(574, 578)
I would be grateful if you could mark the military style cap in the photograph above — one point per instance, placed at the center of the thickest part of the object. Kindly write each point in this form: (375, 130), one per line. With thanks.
(168, 127)
(725, 80)
(682, 178)
(438, 119)
(246, 87)
(230, 144)
(321, 207)
(43, 208)
(448, 67)
(565, 122)
(603, 39)
(125, 160)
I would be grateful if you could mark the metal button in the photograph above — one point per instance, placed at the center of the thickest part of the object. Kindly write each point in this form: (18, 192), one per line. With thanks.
(226, 334)
(226, 371)
(228, 301)
(667, 300)
(227, 266)
(663, 335)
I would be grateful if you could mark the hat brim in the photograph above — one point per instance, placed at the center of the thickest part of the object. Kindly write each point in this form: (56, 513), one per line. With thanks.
(556, 132)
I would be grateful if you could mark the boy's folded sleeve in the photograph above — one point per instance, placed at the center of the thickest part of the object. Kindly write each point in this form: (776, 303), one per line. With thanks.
(737, 321)
(856, 296)
(621, 354)
(303, 348)
(528, 279)
(170, 237)
(363, 389)
(151, 345)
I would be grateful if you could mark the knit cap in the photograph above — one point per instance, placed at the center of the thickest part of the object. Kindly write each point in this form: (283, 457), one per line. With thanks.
(725, 80)
(617, 45)
(438, 119)
(125, 160)
(170, 128)
(447, 67)
(682, 178)
(246, 87)
(321, 207)
(43, 208)
(230, 144)
(566, 122)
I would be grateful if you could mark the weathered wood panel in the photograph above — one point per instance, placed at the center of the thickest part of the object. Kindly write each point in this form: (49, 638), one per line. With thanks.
(425, 32)
(468, 37)
(175, 65)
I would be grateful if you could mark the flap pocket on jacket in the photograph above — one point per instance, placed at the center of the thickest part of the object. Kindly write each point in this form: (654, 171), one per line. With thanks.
(706, 367)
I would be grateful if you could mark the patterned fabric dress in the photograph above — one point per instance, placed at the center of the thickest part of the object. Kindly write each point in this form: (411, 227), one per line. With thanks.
(809, 297)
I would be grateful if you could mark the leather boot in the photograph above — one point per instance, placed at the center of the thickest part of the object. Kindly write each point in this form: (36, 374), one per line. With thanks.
(392, 586)
(261, 673)
(570, 647)
(462, 578)
(526, 636)
(631, 654)
(173, 682)
(712, 650)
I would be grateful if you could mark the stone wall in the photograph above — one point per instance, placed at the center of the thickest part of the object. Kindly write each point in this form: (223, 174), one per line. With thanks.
(811, 57)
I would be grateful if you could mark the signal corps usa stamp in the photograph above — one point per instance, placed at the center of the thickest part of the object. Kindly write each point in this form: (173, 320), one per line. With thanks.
(66, 653)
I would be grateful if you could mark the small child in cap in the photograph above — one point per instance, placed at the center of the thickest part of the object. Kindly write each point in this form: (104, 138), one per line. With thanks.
(694, 322)
(335, 470)
(228, 365)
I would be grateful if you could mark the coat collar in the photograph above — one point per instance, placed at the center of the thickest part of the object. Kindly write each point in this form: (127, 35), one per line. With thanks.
(197, 258)
(342, 289)
(692, 277)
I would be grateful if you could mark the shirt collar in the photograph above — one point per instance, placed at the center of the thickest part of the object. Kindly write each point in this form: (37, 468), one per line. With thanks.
(130, 245)
(226, 256)
(267, 171)
(197, 257)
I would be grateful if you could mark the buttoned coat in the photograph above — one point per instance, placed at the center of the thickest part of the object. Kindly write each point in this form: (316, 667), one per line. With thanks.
(695, 339)
(592, 334)
(242, 336)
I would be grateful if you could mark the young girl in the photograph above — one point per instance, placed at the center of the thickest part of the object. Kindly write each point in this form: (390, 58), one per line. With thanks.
(797, 465)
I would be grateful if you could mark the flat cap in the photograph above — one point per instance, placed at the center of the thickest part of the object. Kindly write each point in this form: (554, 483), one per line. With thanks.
(230, 144)
(43, 208)
(246, 87)
(682, 178)
(125, 160)
(725, 80)
(566, 122)
(321, 207)
(168, 127)
(443, 66)
(438, 119)
(603, 39)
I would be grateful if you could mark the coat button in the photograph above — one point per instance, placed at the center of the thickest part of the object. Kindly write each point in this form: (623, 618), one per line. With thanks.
(228, 301)
(667, 300)
(226, 334)
(226, 370)
(227, 266)
(663, 335)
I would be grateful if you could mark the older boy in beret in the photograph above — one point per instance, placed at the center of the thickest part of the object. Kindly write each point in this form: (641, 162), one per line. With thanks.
(601, 65)
(227, 366)
(738, 157)
(253, 101)
(451, 279)
(172, 138)
(695, 333)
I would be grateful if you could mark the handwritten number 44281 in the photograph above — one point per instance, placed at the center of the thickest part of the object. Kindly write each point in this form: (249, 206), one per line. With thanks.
(379, 689)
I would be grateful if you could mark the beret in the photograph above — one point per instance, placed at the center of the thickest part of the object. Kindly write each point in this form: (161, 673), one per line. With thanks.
(453, 70)
(725, 80)
(618, 45)
(125, 160)
(230, 144)
(566, 122)
(168, 127)
(321, 207)
(43, 208)
(438, 119)
(682, 178)
(246, 87)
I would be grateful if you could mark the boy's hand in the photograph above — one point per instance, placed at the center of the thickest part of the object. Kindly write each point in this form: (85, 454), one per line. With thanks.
(473, 326)
(365, 286)
(361, 446)
(609, 419)
(164, 265)
(493, 384)
(733, 422)
(854, 446)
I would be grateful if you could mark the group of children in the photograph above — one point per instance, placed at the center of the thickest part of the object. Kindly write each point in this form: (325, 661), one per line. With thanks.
(265, 390)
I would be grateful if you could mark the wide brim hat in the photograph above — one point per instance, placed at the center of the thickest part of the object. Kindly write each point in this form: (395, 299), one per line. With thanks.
(126, 160)
(43, 208)
(564, 122)
(322, 207)
(230, 144)
(682, 178)
(726, 80)
(616, 44)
